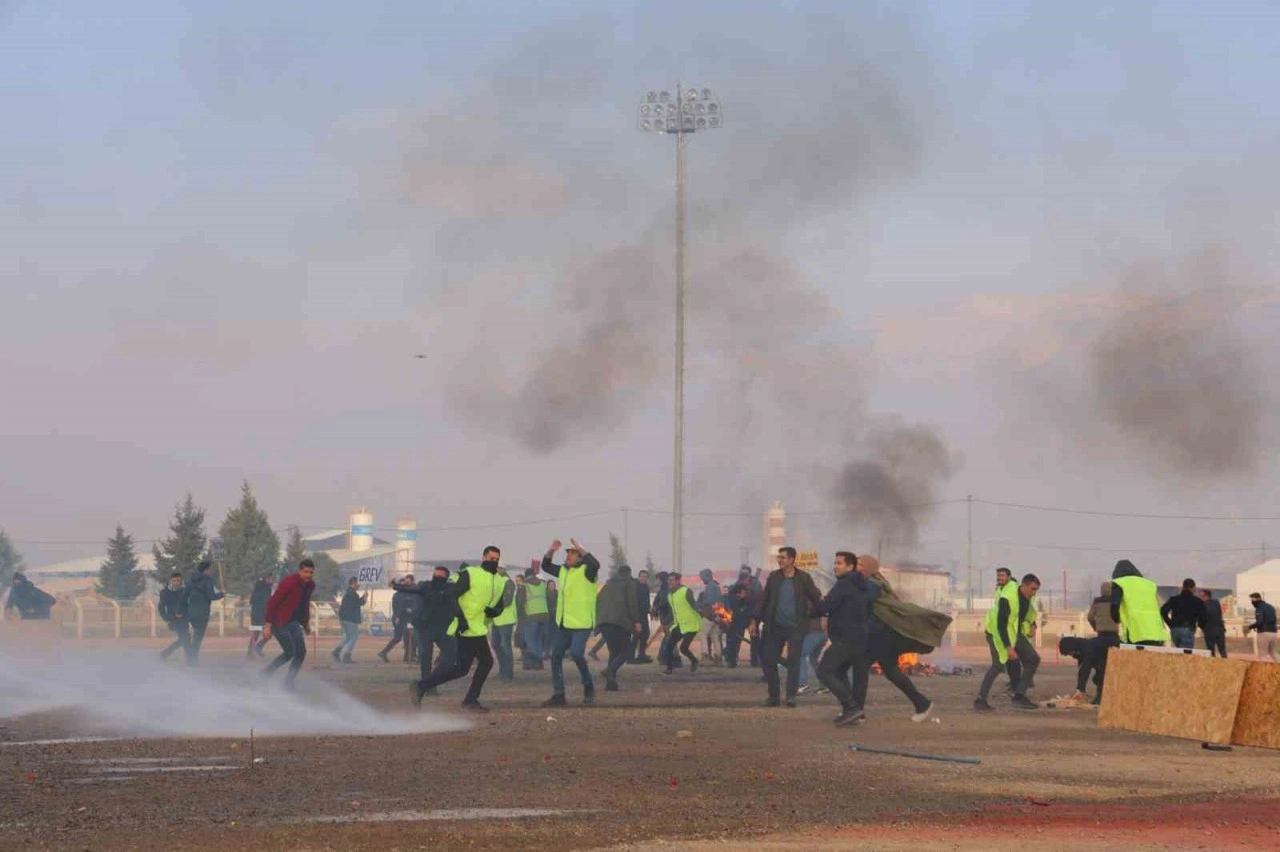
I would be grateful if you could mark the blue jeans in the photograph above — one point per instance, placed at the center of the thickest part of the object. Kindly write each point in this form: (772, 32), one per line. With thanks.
(350, 633)
(535, 639)
(293, 647)
(500, 638)
(1183, 637)
(810, 649)
(573, 642)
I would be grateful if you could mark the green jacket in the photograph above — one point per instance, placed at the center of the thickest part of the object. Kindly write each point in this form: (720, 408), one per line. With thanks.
(923, 628)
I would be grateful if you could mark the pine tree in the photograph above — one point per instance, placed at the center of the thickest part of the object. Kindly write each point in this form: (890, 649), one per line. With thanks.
(296, 550)
(251, 548)
(184, 549)
(11, 560)
(119, 577)
(617, 554)
(328, 579)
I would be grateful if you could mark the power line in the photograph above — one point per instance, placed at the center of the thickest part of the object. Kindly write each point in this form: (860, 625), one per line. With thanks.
(1093, 549)
(1101, 513)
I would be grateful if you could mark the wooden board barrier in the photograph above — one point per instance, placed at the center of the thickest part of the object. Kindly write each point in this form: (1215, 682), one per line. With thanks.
(1258, 716)
(1172, 695)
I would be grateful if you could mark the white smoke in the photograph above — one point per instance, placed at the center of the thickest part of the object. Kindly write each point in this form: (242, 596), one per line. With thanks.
(133, 693)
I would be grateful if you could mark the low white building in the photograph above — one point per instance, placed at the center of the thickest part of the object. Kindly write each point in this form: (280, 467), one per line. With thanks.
(1264, 579)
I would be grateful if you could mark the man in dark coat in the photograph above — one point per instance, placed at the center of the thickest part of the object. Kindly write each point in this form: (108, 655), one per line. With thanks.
(32, 603)
(258, 615)
(289, 619)
(400, 603)
(1215, 632)
(201, 593)
(619, 615)
(172, 609)
(350, 617)
(436, 626)
(847, 608)
(640, 642)
(790, 597)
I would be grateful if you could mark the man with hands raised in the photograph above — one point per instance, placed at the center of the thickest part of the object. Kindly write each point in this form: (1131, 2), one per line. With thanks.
(575, 616)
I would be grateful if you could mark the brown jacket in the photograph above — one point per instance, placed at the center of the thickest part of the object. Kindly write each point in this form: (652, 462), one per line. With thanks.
(923, 627)
(808, 599)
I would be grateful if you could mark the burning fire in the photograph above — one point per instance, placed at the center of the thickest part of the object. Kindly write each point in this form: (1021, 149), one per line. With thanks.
(906, 662)
(722, 614)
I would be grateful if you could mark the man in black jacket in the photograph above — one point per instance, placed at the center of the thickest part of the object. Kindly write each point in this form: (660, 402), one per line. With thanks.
(349, 616)
(847, 608)
(172, 608)
(1182, 614)
(641, 639)
(1215, 632)
(790, 597)
(435, 624)
(618, 615)
(741, 610)
(258, 615)
(399, 620)
(1264, 624)
(200, 593)
(32, 603)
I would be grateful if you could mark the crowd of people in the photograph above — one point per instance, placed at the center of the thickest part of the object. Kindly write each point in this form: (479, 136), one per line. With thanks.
(455, 624)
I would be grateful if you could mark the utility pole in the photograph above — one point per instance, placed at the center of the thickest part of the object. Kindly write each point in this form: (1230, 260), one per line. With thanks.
(969, 554)
(693, 111)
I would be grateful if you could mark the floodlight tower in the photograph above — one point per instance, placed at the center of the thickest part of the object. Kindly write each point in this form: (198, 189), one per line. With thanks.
(690, 111)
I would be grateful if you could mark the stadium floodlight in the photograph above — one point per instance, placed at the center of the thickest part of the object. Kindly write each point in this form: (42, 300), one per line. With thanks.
(693, 111)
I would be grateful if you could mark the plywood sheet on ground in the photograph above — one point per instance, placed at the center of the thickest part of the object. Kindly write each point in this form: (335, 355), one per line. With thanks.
(1172, 695)
(1258, 716)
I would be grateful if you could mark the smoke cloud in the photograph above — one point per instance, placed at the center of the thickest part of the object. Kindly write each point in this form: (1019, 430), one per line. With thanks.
(1172, 376)
(130, 693)
(893, 490)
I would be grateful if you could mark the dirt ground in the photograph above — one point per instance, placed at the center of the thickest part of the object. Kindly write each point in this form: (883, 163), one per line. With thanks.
(619, 775)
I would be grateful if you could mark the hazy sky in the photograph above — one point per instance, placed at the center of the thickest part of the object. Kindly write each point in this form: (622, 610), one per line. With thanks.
(227, 229)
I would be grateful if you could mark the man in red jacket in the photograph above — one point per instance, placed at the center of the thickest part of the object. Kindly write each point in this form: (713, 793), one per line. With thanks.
(289, 620)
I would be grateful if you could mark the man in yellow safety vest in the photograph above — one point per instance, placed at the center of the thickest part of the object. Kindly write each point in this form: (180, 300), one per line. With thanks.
(574, 618)
(685, 621)
(1001, 632)
(1135, 605)
(478, 596)
(503, 627)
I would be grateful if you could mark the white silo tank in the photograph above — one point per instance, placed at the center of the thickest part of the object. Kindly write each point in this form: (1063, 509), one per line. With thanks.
(361, 531)
(406, 545)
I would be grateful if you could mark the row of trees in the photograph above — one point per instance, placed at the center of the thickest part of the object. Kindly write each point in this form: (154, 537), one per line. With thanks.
(245, 549)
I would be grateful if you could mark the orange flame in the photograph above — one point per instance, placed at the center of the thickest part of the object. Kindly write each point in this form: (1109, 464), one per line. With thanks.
(722, 614)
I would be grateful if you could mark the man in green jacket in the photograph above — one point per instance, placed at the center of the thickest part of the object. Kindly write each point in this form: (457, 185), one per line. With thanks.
(618, 616)
(898, 627)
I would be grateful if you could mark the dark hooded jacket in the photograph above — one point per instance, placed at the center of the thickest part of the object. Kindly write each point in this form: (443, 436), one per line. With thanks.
(847, 608)
(617, 603)
(435, 604)
(258, 601)
(201, 594)
(1212, 624)
(1184, 609)
(32, 603)
(172, 607)
(349, 609)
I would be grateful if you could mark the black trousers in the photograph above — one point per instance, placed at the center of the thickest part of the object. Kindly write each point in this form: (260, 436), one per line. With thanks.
(182, 635)
(680, 643)
(293, 650)
(197, 639)
(1094, 659)
(471, 649)
(772, 644)
(886, 646)
(448, 646)
(619, 642)
(839, 662)
(1217, 645)
(994, 670)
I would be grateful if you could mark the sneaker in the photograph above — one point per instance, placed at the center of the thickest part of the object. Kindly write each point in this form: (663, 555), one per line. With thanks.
(347, 660)
(337, 654)
(802, 689)
(589, 696)
(1023, 703)
(610, 686)
(474, 707)
(415, 694)
(924, 714)
(556, 700)
(851, 716)
(382, 655)
(772, 702)
(693, 667)
(981, 705)
(822, 690)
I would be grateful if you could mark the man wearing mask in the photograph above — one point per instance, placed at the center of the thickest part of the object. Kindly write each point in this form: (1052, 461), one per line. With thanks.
(789, 599)
(289, 620)
(400, 604)
(1135, 606)
(201, 593)
(478, 600)
(503, 625)
(1264, 625)
(349, 616)
(618, 615)
(172, 609)
(258, 615)
(532, 600)
(1182, 614)
(847, 608)
(575, 616)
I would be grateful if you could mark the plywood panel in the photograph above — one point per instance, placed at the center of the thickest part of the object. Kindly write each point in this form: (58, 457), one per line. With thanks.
(1258, 716)
(1172, 694)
